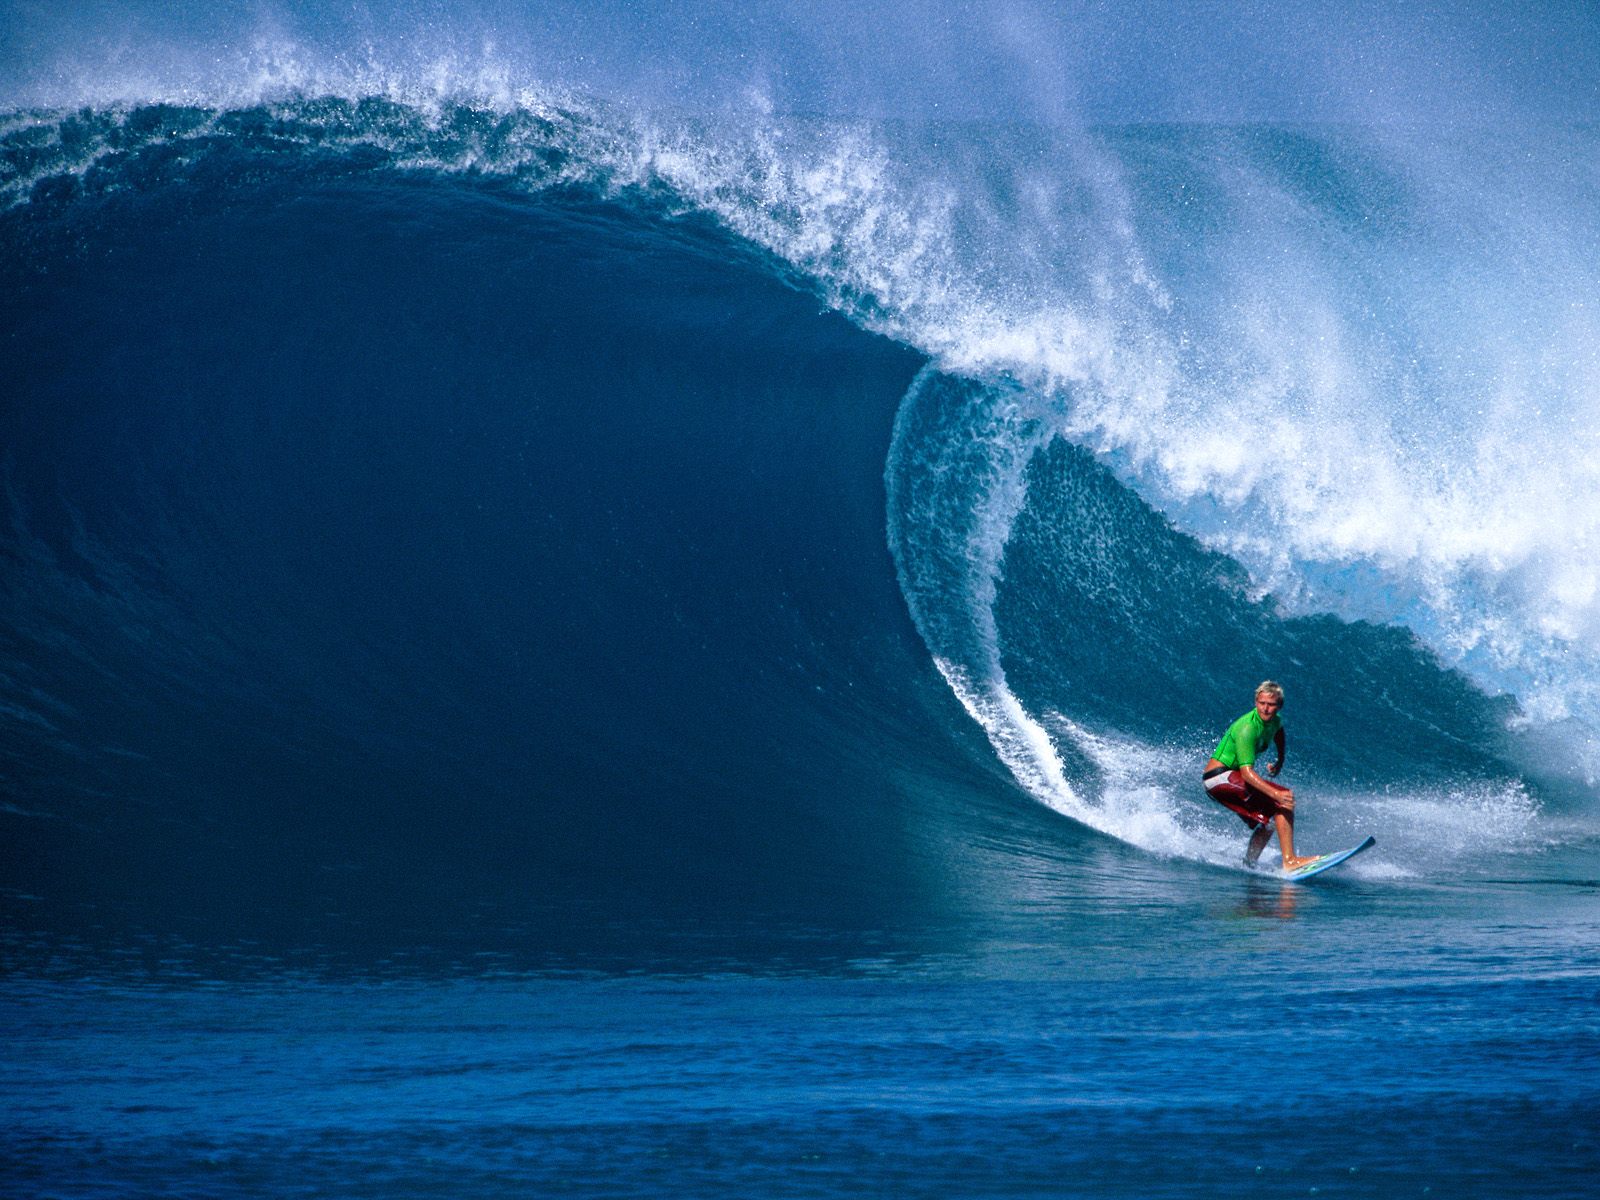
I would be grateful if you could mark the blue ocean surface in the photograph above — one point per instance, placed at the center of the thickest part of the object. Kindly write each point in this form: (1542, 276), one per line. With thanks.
(559, 647)
(1166, 1036)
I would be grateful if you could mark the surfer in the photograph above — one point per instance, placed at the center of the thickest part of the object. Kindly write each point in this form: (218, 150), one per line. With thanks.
(1232, 780)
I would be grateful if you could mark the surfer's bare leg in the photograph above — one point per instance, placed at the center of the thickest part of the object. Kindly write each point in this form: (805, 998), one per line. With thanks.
(1258, 843)
(1284, 820)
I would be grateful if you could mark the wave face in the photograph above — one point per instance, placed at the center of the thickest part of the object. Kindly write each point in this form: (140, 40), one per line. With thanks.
(406, 495)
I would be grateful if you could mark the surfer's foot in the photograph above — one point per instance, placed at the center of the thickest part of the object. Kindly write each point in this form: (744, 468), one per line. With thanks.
(1295, 862)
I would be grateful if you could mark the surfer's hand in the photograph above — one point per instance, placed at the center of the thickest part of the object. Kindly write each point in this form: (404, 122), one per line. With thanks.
(1274, 768)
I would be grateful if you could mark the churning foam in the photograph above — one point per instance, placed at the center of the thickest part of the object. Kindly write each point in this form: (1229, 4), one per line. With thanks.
(1396, 418)
(1360, 365)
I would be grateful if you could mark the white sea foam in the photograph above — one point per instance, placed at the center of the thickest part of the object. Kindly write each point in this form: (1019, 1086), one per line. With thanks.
(1430, 463)
(1152, 798)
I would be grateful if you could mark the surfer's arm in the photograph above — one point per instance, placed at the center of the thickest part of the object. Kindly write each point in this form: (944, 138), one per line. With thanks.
(1278, 741)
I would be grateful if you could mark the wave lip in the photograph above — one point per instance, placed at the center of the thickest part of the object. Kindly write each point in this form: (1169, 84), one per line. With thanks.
(535, 143)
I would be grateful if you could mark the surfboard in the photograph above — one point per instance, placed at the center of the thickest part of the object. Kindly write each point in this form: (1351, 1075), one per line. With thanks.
(1324, 862)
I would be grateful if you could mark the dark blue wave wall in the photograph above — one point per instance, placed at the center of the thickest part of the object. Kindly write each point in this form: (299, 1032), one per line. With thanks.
(378, 537)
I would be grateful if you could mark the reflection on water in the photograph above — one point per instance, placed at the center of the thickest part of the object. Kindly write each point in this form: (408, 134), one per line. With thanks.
(1269, 899)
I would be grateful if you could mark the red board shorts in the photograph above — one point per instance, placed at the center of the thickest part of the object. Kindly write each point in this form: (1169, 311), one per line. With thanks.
(1229, 789)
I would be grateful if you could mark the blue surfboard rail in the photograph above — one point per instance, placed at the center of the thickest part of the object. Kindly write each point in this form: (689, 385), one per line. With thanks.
(1324, 862)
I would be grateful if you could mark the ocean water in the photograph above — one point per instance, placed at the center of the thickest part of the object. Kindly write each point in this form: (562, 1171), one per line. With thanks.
(558, 647)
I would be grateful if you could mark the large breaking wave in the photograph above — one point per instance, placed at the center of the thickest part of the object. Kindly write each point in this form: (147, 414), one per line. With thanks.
(491, 479)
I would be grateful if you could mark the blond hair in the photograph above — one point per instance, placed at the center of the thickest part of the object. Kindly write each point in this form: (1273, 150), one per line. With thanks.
(1271, 688)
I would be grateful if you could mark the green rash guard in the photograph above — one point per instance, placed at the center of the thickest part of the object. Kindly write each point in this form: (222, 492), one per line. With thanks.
(1246, 738)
